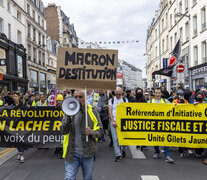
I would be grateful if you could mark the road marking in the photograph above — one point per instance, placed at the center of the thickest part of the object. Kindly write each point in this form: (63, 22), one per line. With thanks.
(149, 177)
(9, 150)
(136, 154)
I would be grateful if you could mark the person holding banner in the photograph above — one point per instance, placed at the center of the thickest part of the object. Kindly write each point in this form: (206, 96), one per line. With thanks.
(18, 105)
(180, 100)
(158, 100)
(76, 150)
(199, 98)
(139, 98)
(113, 102)
(37, 98)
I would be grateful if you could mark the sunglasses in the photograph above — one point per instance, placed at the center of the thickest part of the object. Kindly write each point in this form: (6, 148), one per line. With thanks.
(118, 94)
(78, 97)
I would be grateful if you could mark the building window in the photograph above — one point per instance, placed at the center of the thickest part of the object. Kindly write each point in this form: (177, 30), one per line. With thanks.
(163, 45)
(2, 2)
(181, 35)
(170, 20)
(43, 59)
(175, 11)
(195, 25)
(42, 79)
(163, 25)
(39, 57)
(3, 57)
(186, 5)
(180, 7)
(167, 42)
(35, 55)
(194, 2)
(203, 18)
(195, 55)
(19, 66)
(175, 38)
(19, 37)
(29, 52)
(204, 51)
(8, 6)
(187, 31)
(155, 33)
(29, 30)
(33, 14)
(1, 25)
(9, 31)
(34, 35)
(39, 38)
(43, 40)
(43, 23)
(28, 9)
(33, 77)
(18, 15)
(38, 19)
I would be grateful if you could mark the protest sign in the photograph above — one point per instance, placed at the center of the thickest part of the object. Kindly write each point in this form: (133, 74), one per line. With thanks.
(93, 68)
(162, 124)
(31, 127)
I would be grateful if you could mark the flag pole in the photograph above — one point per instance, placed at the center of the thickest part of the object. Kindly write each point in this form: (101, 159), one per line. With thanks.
(86, 110)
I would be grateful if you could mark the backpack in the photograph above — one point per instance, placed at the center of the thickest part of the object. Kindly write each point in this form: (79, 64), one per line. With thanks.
(124, 99)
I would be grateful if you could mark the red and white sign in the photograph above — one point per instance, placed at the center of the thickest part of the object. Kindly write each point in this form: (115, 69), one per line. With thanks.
(180, 68)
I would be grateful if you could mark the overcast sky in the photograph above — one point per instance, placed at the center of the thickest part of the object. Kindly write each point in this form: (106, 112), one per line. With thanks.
(112, 20)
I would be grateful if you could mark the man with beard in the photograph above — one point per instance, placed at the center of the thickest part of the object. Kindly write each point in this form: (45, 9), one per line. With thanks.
(129, 95)
(140, 99)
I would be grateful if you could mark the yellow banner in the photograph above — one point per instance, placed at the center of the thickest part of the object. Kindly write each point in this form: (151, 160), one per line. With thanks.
(183, 125)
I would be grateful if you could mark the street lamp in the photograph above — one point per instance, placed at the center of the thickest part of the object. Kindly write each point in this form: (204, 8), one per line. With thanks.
(180, 14)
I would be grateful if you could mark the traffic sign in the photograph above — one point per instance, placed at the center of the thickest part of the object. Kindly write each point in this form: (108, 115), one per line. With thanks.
(180, 68)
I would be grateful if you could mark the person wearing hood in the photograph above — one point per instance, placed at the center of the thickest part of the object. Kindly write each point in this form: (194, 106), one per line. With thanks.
(199, 99)
(139, 97)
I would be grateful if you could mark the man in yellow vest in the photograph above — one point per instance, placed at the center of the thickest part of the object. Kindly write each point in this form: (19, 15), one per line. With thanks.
(158, 100)
(42, 101)
(76, 151)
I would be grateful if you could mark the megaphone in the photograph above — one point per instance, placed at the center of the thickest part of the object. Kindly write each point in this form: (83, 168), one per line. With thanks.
(70, 106)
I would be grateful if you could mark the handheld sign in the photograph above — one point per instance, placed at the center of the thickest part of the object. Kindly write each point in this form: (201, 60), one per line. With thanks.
(151, 124)
(91, 68)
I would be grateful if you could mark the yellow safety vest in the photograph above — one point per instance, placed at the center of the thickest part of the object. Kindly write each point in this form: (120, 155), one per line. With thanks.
(95, 127)
(1, 103)
(95, 99)
(33, 103)
(45, 103)
(162, 101)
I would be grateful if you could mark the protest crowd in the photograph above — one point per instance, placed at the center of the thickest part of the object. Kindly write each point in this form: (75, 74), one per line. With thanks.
(102, 122)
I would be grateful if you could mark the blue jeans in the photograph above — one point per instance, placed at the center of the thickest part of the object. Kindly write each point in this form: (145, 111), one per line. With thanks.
(71, 168)
(166, 150)
(117, 150)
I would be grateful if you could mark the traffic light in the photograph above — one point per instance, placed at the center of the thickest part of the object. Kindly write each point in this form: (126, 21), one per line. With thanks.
(153, 77)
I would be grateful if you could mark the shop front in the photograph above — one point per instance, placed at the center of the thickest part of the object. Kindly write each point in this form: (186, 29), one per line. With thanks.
(12, 66)
(198, 76)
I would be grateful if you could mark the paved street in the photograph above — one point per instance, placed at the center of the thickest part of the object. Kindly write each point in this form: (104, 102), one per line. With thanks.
(44, 164)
